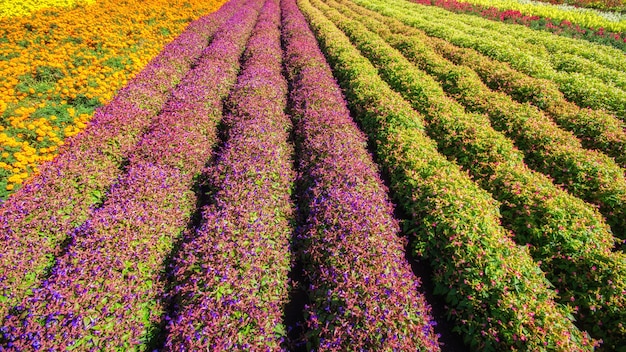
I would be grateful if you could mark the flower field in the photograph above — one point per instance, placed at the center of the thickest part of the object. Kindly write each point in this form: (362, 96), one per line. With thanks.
(563, 23)
(613, 21)
(307, 175)
(10, 8)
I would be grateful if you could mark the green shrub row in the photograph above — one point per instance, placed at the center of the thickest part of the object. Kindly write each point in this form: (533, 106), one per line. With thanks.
(498, 296)
(596, 129)
(483, 151)
(586, 174)
(563, 232)
(584, 90)
(601, 54)
(556, 51)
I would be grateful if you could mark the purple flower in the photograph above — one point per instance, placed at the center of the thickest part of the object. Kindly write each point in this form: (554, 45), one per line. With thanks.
(36, 220)
(350, 233)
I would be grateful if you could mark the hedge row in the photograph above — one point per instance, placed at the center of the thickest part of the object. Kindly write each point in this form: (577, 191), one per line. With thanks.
(596, 129)
(589, 175)
(586, 91)
(574, 242)
(362, 292)
(230, 277)
(600, 54)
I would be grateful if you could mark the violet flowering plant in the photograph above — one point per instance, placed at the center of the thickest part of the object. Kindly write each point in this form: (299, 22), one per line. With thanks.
(564, 234)
(363, 294)
(231, 276)
(497, 296)
(35, 221)
(103, 292)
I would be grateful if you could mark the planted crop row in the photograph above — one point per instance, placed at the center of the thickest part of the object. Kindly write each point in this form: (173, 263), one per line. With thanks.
(602, 55)
(578, 240)
(596, 129)
(586, 174)
(584, 90)
(563, 54)
(25, 8)
(548, 48)
(103, 292)
(363, 294)
(231, 275)
(569, 55)
(34, 223)
(497, 295)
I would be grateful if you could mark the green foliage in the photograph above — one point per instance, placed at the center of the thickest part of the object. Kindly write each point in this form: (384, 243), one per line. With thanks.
(501, 44)
(48, 74)
(596, 129)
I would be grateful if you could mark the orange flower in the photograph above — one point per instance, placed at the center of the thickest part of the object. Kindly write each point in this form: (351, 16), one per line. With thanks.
(62, 63)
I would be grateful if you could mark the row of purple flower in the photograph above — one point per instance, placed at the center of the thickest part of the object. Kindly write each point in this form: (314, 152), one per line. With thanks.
(103, 290)
(123, 201)
(38, 219)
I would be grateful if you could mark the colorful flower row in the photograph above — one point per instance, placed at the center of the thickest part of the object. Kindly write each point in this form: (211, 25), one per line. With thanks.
(520, 53)
(559, 27)
(363, 294)
(578, 236)
(584, 17)
(35, 221)
(564, 54)
(586, 174)
(60, 64)
(543, 43)
(99, 295)
(498, 296)
(103, 291)
(231, 276)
